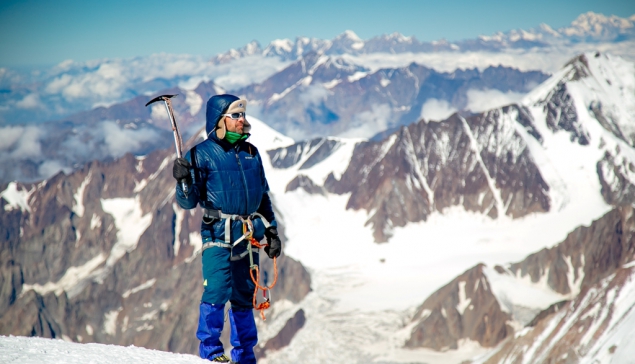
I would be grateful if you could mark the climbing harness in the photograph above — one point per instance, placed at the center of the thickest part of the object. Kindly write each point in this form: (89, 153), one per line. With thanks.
(248, 230)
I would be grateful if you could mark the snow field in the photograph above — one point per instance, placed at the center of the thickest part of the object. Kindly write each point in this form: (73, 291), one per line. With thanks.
(33, 350)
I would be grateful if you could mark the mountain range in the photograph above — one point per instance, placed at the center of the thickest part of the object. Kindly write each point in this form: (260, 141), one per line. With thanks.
(313, 96)
(490, 237)
(588, 27)
(33, 96)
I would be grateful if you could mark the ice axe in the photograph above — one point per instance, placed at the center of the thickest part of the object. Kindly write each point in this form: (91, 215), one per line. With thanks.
(178, 143)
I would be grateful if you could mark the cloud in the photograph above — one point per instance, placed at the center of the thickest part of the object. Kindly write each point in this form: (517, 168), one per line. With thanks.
(119, 141)
(437, 110)
(483, 100)
(368, 123)
(29, 143)
(9, 135)
(313, 95)
(51, 167)
(245, 71)
(29, 153)
(20, 142)
(75, 86)
(31, 101)
(109, 140)
(548, 59)
(158, 111)
(57, 84)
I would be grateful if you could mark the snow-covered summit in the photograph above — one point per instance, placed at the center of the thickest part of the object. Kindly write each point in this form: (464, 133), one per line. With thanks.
(350, 35)
(595, 25)
(250, 49)
(601, 83)
(588, 27)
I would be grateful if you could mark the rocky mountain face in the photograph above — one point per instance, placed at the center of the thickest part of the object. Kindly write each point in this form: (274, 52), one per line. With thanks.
(593, 267)
(323, 95)
(571, 303)
(481, 163)
(105, 255)
(466, 308)
(588, 276)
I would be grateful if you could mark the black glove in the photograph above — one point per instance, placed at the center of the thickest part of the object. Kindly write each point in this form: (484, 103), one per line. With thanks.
(181, 170)
(275, 245)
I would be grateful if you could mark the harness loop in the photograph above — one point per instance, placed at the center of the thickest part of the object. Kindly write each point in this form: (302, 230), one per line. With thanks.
(262, 306)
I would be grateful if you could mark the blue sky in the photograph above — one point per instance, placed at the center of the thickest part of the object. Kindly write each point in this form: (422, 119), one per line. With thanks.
(40, 32)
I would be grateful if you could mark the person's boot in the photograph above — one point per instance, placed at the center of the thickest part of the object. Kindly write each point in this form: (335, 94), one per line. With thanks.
(222, 359)
(210, 325)
(244, 335)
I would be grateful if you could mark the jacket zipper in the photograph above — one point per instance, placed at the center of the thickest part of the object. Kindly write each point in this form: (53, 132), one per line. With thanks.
(242, 171)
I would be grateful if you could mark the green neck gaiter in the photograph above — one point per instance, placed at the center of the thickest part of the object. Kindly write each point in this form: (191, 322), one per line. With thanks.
(232, 137)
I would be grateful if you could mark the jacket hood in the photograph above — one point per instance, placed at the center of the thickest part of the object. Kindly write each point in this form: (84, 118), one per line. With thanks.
(216, 106)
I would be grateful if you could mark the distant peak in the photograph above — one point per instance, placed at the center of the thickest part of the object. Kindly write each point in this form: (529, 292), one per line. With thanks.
(282, 43)
(549, 30)
(349, 34)
(591, 20)
(398, 37)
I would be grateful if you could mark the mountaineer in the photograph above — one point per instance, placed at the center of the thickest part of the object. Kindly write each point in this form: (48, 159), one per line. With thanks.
(225, 176)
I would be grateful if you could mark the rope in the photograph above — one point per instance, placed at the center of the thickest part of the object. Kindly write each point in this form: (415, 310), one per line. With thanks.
(254, 267)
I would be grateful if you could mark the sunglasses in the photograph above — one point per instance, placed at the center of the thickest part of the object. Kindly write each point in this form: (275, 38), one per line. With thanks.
(235, 115)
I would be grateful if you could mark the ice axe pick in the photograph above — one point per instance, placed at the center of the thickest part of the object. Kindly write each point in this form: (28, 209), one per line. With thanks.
(178, 143)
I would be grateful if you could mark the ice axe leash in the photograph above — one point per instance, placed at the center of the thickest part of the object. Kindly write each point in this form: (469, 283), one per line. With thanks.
(178, 143)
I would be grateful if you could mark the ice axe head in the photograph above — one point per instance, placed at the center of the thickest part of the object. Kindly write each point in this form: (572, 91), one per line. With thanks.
(161, 98)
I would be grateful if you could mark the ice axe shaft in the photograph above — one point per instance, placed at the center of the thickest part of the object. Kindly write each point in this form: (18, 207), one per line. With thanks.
(178, 143)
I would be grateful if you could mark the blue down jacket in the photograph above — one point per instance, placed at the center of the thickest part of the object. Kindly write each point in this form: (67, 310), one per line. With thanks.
(227, 177)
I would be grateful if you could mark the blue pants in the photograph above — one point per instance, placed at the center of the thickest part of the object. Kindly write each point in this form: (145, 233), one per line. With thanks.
(226, 280)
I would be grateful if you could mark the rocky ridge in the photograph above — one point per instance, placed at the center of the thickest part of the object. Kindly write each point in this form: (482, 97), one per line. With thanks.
(591, 268)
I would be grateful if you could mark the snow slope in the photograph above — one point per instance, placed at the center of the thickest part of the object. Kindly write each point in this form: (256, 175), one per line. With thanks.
(35, 350)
